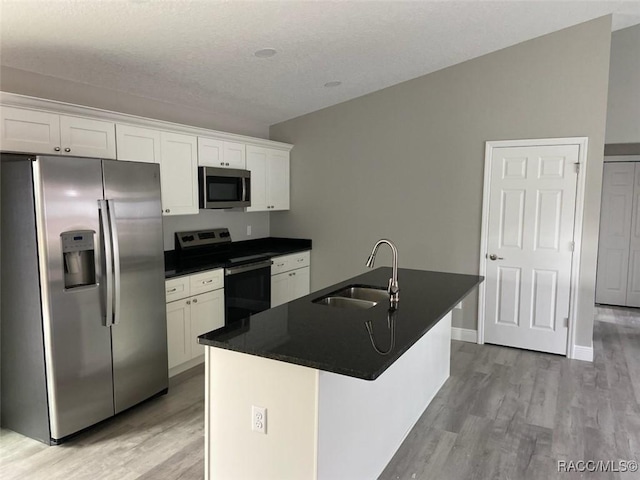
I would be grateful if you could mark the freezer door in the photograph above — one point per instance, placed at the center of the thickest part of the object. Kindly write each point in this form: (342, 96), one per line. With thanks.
(77, 342)
(139, 333)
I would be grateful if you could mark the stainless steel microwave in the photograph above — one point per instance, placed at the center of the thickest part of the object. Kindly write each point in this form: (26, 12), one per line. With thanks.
(224, 187)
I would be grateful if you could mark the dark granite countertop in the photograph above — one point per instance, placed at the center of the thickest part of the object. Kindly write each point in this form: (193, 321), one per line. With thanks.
(269, 247)
(336, 339)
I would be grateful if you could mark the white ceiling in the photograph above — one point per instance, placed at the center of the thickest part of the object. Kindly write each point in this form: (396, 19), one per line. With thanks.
(201, 53)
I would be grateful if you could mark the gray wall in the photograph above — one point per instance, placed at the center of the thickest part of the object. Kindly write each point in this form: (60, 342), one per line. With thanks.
(407, 162)
(36, 85)
(235, 221)
(623, 112)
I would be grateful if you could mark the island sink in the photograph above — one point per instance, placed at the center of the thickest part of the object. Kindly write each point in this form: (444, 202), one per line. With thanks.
(360, 297)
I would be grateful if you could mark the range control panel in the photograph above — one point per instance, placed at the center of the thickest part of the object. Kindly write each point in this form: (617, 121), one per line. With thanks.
(202, 238)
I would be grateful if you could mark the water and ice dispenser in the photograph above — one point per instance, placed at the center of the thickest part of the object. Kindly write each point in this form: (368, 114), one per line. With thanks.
(78, 253)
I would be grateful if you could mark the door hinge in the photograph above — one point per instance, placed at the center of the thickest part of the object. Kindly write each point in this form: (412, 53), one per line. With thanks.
(572, 246)
(577, 164)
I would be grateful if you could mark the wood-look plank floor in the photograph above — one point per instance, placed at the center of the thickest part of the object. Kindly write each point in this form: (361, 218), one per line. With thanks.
(513, 414)
(160, 439)
(503, 414)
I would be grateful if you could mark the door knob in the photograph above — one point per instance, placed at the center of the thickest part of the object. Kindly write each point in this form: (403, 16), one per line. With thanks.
(493, 256)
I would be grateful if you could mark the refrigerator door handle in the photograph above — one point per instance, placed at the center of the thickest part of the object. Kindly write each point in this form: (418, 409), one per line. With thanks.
(116, 262)
(108, 261)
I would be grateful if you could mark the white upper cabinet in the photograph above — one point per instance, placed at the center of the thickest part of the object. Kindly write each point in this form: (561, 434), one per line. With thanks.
(137, 144)
(221, 154)
(179, 173)
(257, 165)
(40, 126)
(33, 131)
(85, 137)
(269, 179)
(235, 155)
(278, 180)
(29, 131)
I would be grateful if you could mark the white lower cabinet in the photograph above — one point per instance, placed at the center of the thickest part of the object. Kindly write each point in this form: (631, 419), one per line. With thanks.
(290, 275)
(191, 316)
(207, 313)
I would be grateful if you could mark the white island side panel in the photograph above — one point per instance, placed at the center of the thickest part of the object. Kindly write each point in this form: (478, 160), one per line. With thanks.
(236, 381)
(362, 423)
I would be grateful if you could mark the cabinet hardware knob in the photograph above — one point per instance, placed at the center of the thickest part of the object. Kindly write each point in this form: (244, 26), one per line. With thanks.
(204, 282)
(227, 164)
(57, 149)
(172, 290)
(67, 149)
(195, 300)
(188, 302)
(222, 163)
(167, 210)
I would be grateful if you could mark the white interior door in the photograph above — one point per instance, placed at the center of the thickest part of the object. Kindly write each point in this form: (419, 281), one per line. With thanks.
(633, 276)
(531, 212)
(615, 233)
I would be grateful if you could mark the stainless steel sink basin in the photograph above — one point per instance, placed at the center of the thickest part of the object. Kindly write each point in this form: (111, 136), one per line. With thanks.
(342, 302)
(363, 293)
(358, 297)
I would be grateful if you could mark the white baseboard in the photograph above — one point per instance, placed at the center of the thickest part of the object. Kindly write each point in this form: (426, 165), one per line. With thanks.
(464, 334)
(583, 353)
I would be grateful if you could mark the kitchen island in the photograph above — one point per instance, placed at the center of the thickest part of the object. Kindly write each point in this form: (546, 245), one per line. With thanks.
(341, 387)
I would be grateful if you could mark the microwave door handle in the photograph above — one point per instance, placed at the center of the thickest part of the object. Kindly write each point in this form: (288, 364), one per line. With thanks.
(108, 261)
(244, 189)
(116, 262)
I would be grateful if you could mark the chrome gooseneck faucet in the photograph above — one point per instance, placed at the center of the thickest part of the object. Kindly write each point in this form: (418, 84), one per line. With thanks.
(393, 288)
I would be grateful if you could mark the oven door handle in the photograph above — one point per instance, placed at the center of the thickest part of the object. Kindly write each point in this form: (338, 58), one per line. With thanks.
(247, 268)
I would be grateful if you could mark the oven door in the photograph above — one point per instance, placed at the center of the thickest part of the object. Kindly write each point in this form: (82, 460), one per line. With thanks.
(247, 290)
(224, 187)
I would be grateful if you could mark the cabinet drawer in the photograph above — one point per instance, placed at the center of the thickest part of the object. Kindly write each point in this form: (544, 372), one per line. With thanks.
(206, 281)
(290, 262)
(177, 288)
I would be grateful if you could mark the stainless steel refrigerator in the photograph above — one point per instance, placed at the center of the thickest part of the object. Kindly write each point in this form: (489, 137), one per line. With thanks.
(83, 326)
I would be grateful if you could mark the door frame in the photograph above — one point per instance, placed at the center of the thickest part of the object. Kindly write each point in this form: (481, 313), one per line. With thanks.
(582, 143)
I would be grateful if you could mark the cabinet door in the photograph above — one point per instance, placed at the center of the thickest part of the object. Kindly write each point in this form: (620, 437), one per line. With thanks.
(210, 152)
(179, 332)
(207, 313)
(257, 164)
(300, 283)
(29, 131)
(137, 144)
(280, 289)
(234, 155)
(278, 180)
(179, 173)
(84, 137)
